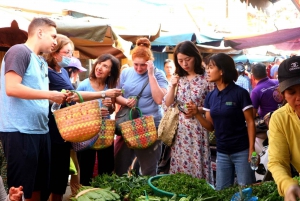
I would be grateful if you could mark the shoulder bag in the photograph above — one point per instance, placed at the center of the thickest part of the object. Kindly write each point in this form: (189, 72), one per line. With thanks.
(168, 125)
(124, 112)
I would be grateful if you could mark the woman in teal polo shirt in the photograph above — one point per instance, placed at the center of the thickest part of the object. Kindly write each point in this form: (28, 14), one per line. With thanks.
(229, 112)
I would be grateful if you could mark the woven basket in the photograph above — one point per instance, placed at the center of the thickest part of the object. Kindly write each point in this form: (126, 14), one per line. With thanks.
(168, 125)
(139, 133)
(106, 134)
(80, 146)
(79, 122)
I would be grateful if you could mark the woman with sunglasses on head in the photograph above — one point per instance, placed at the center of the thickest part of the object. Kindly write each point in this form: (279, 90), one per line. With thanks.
(59, 58)
(284, 131)
(190, 152)
(103, 76)
(228, 111)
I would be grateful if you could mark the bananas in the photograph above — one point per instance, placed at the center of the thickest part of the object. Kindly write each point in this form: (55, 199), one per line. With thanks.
(97, 194)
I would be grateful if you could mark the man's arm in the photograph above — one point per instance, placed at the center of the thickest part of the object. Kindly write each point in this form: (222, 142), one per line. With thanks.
(275, 75)
(15, 88)
(254, 113)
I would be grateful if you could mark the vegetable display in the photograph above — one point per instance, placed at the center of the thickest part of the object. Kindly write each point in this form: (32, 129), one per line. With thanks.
(136, 188)
(86, 193)
(128, 187)
(185, 185)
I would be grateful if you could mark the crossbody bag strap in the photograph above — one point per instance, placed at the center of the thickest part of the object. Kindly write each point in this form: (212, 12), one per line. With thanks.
(140, 94)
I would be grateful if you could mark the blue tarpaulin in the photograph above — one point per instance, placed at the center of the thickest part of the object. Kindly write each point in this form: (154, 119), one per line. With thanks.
(253, 58)
(174, 39)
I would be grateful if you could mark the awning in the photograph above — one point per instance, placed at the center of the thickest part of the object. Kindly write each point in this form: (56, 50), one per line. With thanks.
(13, 29)
(89, 35)
(172, 39)
(93, 39)
(253, 58)
(287, 39)
(260, 4)
(128, 30)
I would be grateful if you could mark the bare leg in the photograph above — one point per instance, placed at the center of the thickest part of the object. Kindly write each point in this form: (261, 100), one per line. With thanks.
(55, 197)
(36, 196)
(75, 179)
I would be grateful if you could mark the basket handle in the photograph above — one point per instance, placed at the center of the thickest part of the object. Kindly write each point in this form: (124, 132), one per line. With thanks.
(135, 108)
(79, 95)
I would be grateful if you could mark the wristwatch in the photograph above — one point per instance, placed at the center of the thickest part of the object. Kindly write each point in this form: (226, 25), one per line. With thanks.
(103, 94)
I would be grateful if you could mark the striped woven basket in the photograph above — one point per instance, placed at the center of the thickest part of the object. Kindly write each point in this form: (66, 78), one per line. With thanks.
(81, 146)
(79, 122)
(139, 133)
(105, 135)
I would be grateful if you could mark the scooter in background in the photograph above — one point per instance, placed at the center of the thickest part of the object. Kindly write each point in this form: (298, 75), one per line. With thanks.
(261, 146)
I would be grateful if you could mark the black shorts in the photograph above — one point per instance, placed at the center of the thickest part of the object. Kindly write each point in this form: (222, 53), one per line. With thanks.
(60, 167)
(28, 161)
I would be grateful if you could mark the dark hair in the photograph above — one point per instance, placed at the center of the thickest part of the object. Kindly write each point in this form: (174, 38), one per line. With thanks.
(40, 22)
(259, 71)
(62, 40)
(188, 48)
(111, 80)
(70, 70)
(168, 61)
(226, 64)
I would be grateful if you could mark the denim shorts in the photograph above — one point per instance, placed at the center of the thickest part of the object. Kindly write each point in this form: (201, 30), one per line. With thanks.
(230, 164)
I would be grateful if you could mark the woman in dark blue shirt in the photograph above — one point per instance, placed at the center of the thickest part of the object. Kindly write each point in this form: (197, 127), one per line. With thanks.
(229, 112)
(59, 58)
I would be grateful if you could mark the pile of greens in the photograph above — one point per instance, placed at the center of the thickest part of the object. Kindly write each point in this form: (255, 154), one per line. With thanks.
(180, 183)
(133, 187)
(128, 187)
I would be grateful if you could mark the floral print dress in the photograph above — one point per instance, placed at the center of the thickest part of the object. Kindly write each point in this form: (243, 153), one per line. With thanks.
(190, 152)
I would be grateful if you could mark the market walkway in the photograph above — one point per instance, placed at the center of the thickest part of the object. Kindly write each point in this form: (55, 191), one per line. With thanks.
(67, 194)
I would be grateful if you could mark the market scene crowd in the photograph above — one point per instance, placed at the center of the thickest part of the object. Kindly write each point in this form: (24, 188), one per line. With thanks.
(214, 96)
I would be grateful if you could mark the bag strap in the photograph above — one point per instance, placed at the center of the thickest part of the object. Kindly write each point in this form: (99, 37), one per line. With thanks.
(79, 96)
(140, 94)
(139, 111)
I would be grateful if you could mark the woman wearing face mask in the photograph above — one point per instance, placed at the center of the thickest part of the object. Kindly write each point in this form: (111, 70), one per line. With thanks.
(190, 152)
(104, 75)
(58, 80)
(132, 81)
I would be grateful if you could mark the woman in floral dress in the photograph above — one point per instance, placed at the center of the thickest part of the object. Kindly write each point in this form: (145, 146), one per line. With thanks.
(190, 152)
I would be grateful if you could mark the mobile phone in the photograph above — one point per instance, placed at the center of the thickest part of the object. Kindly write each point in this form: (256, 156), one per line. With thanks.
(181, 109)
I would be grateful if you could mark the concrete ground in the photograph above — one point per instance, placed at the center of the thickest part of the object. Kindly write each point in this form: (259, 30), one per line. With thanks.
(67, 194)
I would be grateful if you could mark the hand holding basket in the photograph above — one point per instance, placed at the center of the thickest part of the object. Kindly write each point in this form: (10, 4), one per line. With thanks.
(139, 133)
(79, 122)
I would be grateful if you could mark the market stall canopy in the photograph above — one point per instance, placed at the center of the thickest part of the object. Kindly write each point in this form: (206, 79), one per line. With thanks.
(129, 30)
(253, 58)
(286, 39)
(92, 38)
(172, 39)
(13, 29)
(89, 35)
(215, 50)
(205, 42)
(261, 4)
